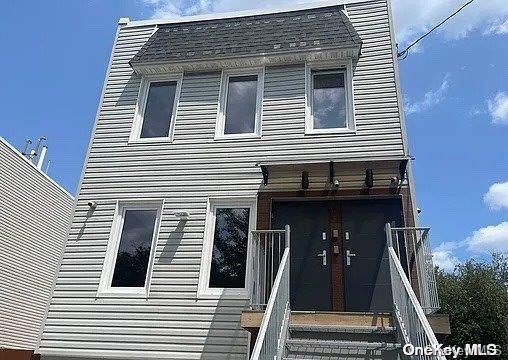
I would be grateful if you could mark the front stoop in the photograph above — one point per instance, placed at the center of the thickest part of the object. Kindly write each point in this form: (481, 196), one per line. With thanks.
(342, 342)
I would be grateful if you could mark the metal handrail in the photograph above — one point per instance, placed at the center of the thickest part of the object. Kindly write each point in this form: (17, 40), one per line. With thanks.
(424, 266)
(271, 276)
(272, 335)
(268, 247)
(414, 327)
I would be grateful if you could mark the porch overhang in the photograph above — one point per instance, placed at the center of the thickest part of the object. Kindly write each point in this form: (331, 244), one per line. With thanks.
(340, 173)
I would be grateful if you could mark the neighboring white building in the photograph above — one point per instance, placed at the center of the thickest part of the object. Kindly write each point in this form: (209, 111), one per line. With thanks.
(34, 220)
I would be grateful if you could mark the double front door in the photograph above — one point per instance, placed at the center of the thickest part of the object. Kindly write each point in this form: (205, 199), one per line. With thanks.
(361, 278)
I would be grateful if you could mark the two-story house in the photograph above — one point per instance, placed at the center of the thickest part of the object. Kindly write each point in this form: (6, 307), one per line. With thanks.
(247, 192)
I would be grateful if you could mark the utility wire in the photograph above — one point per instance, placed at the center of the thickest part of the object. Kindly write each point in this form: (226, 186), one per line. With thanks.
(403, 54)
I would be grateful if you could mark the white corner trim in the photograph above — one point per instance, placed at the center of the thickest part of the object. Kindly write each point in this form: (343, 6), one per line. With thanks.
(139, 111)
(222, 103)
(253, 12)
(123, 21)
(347, 67)
(80, 184)
(204, 291)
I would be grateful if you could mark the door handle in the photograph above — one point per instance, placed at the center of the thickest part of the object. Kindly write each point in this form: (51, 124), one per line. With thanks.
(349, 255)
(323, 255)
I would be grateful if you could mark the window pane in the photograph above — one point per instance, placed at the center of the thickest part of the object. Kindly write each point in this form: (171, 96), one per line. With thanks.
(158, 109)
(241, 105)
(329, 100)
(229, 254)
(134, 249)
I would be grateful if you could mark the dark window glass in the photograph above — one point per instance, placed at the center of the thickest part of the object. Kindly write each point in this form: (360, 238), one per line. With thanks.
(134, 249)
(329, 100)
(241, 105)
(158, 109)
(229, 254)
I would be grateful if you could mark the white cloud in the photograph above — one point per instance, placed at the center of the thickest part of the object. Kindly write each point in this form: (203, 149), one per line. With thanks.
(475, 111)
(497, 196)
(497, 28)
(415, 17)
(489, 238)
(443, 256)
(175, 8)
(431, 99)
(498, 108)
(412, 17)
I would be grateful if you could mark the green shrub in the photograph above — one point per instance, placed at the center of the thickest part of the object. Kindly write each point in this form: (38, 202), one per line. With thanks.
(475, 296)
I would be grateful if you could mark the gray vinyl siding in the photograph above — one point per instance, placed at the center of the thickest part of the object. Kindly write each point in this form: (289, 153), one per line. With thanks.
(34, 219)
(172, 322)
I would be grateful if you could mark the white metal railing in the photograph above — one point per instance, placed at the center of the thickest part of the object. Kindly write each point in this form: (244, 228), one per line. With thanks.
(271, 276)
(268, 247)
(413, 326)
(272, 335)
(421, 257)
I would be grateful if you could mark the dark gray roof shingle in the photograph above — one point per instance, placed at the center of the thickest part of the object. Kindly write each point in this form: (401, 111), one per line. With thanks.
(312, 29)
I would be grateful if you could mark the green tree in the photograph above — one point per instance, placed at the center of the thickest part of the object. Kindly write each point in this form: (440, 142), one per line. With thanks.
(475, 296)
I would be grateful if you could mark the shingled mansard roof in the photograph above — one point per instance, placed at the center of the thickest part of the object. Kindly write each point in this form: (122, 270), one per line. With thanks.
(317, 29)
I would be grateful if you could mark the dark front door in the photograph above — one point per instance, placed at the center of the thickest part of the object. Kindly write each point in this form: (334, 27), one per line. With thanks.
(311, 283)
(365, 257)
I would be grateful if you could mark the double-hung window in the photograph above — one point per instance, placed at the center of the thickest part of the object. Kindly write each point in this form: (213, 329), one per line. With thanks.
(240, 104)
(225, 258)
(129, 257)
(329, 99)
(156, 109)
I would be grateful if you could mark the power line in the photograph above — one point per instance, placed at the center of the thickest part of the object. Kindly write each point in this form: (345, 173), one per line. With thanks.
(403, 54)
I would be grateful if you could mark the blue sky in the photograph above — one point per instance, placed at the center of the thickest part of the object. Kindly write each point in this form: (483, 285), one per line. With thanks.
(55, 54)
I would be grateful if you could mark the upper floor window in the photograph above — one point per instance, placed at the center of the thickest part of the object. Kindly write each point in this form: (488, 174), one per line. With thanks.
(240, 103)
(129, 258)
(329, 99)
(156, 109)
(225, 260)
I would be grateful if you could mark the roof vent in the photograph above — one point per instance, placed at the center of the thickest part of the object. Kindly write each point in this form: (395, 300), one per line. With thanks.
(36, 154)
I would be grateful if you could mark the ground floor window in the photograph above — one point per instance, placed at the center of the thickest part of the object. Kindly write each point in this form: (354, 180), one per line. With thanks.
(129, 257)
(226, 247)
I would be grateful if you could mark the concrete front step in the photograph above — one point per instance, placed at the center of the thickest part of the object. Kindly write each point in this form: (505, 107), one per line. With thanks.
(341, 350)
(373, 334)
(337, 344)
(345, 329)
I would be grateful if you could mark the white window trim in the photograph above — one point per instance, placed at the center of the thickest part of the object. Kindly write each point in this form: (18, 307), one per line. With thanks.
(204, 291)
(137, 124)
(221, 109)
(347, 66)
(105, 289)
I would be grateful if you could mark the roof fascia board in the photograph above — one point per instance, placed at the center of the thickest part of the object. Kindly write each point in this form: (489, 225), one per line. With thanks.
(285, 58)
(237, 14)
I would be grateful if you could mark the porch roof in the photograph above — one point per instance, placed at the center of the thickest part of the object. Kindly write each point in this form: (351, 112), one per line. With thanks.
(378, 171)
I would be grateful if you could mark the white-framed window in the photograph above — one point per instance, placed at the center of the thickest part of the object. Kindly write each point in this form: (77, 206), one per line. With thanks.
(240, 103)
(329, 98)
(131, 248)
(226, 261)
(155, 114)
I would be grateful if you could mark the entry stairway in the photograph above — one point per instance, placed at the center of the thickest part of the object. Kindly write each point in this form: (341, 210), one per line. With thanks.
(282, 336)
(341, 342)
